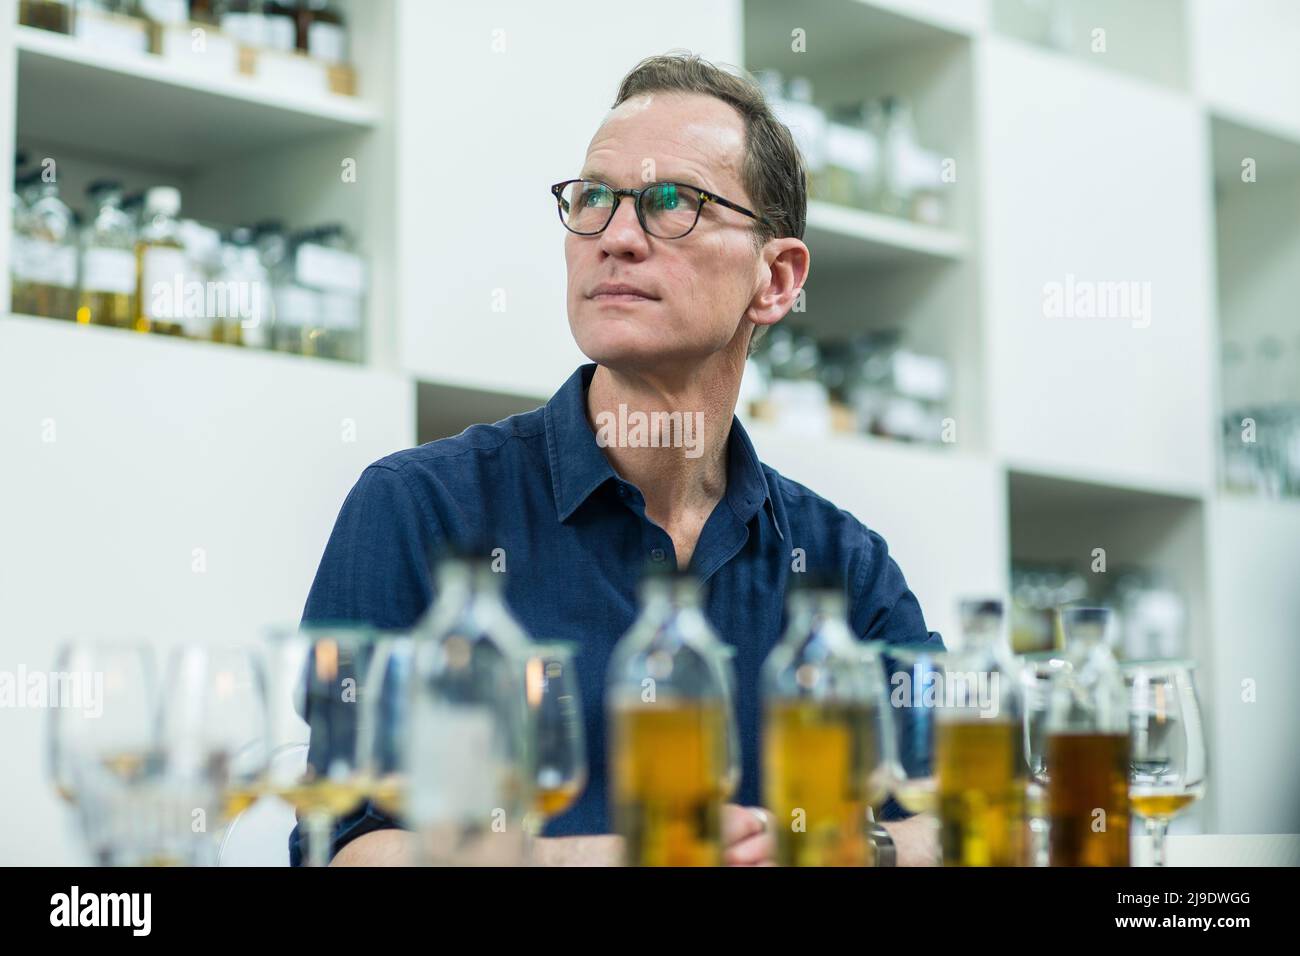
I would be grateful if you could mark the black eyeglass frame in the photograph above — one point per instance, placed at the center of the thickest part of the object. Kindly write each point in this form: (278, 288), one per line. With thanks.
(705, 197)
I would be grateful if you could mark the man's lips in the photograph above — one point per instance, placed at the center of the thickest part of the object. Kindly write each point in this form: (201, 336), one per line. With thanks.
(619, 292)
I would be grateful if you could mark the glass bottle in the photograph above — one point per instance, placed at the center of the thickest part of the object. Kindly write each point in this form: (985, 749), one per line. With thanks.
(983, 772)
(161, 264)
(823, 739)
(240, 318)
(326, 260)
(281, 26)
(48, 285)
(665, 702)
(470, 746)
(1087, 759)
(897, 142)
(321, 31)
(54, 15)
(18, 233)
(107, 295)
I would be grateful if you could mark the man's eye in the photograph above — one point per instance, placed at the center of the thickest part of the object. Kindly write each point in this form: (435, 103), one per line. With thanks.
(665, 197)
(595, 197)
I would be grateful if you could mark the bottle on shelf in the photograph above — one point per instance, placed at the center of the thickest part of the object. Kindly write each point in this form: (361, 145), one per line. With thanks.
(823, 734)
(665, 702)
(108, 286)
(241, 277)
(1087, 758)
(321, 31)
(162, 267)
(166, 12)
(281, 26)
(326, 261)
(207, 11)
(53, 15)
(296, 323)
(47, 283)
(246, 21)
(205, 297)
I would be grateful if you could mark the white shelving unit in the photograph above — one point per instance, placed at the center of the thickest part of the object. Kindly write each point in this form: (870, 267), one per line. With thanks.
(1069, 430)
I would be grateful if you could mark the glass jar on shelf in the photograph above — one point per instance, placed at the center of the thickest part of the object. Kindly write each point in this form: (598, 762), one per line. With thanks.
(47, 283)
(107, 287)
(162, 268)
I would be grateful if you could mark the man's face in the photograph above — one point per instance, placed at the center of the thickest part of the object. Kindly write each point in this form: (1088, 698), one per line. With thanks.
(697, 288)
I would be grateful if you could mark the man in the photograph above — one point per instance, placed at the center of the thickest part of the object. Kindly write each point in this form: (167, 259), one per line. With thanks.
(667, 287)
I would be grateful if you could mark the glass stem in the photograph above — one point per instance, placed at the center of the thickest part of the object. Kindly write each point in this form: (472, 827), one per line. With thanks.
(1157, 829)
(319, 829)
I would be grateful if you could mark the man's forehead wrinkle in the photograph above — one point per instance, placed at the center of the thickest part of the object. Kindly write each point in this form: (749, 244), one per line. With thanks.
(699, 148)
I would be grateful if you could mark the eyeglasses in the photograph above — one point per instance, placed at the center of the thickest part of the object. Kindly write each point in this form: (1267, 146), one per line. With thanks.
(665, 210)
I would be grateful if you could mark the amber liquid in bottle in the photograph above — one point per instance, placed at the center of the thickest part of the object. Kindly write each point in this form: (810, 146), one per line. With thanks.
(1087, 799)
(667, 761)
(980, 800)
(818, 761)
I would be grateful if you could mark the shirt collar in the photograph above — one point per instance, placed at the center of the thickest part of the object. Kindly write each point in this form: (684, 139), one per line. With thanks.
(579, 467)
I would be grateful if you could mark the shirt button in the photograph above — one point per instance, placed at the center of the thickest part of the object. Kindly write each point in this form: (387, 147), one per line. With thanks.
(657, 554)
(622, 491)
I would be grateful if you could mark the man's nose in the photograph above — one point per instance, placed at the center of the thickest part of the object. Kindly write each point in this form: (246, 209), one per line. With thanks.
(624, 235)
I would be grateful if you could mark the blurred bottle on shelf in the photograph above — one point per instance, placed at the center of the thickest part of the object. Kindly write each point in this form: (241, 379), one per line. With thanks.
(1151, 616)
(792, 104)
(911, 177)
(1037, 591)
(54, 15)
(245, 20)
(162, 267)
(326, 263)
(207, 11)
(321, 32)
(202, 244)
(46, 283)
(167, 12)
(1261, 417)
(852, 159)
(112, 25)
(108, 286)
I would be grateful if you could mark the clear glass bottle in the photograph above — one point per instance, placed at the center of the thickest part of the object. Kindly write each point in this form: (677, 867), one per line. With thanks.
(665, 701)
(326, 260)
(161, 264)
(983, 771)
(273, 257)
(18, 232)
(1087, 759)
(240, 321)
(108, 286)
(297, 308)
(823, 736)
(48, 284)
(899, 138)
(470, 753)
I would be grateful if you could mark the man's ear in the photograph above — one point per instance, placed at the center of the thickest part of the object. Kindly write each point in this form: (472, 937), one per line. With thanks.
(785, 266)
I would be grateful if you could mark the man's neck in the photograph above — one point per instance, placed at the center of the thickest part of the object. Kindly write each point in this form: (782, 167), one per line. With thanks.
(678, 477)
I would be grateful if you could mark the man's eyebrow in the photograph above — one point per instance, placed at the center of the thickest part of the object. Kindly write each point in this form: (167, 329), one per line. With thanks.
(684, 180)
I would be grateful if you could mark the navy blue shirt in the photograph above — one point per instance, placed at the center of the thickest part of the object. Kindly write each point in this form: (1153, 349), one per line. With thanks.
(576, 540)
